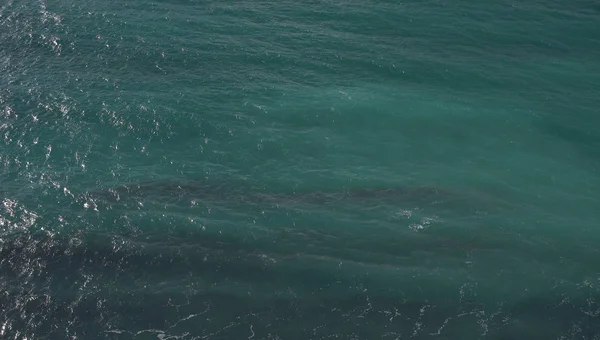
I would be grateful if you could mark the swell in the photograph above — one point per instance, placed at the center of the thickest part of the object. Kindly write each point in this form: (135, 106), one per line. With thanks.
(97, 285)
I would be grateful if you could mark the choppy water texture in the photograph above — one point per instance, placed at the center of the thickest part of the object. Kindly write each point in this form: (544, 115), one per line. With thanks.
(299, 170)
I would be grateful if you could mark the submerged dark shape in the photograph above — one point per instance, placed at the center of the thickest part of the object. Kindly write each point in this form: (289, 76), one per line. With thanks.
(173, 192)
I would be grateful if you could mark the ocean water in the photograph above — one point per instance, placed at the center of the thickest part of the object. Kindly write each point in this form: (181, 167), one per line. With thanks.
(376, 169)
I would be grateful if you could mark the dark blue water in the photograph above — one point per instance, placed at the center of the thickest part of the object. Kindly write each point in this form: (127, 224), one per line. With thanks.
(284, 170)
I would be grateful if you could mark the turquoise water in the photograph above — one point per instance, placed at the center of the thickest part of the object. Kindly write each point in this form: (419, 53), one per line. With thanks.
(283, 170)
